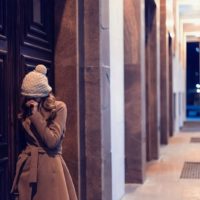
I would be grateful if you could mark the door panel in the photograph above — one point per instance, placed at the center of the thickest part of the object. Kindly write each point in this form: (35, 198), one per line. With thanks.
(3, 8)
(3, 177)
(35, 33)
(4, 184)
(4, 100)
(26, 39)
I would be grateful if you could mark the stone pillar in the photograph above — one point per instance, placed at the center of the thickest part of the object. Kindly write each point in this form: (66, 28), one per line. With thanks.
(135, 125)
(158, 68)
(95, 93)
(171, 109)
(153, 138)
(164, 99)
(66, 84)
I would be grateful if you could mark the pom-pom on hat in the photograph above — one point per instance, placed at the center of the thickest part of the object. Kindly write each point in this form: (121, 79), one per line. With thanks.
(35, 83)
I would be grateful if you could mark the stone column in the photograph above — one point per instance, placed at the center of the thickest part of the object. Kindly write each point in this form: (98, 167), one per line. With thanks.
(171, 109)
(151, 81)
(135, 125)
(66, 80)
(95, 93)
(158, 68)
(164, 99)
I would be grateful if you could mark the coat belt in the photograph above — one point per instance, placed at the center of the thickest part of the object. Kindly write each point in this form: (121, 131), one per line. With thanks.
(33, 152)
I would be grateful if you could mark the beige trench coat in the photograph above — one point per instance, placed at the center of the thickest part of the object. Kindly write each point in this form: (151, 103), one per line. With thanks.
(41, 173)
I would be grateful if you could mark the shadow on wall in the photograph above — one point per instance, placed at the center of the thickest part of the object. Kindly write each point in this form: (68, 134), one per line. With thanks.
(59, 10)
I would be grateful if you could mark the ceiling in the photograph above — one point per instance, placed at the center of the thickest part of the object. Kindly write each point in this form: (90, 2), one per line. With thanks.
(189, 12)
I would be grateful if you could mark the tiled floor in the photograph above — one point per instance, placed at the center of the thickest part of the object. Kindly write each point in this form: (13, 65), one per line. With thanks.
(163, 176)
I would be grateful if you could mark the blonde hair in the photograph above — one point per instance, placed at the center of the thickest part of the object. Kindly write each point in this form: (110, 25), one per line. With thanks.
(49, 104)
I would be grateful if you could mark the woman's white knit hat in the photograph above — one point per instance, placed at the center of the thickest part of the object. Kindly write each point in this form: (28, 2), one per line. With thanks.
(35, 83)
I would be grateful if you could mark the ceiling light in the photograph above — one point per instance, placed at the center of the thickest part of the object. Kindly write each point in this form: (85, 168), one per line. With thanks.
(198, 86)
(193, 34)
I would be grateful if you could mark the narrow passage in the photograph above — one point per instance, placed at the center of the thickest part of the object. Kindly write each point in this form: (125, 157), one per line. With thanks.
(163, 180)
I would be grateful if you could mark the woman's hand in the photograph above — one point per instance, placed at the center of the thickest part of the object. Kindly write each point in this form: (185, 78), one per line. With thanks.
(33, 105)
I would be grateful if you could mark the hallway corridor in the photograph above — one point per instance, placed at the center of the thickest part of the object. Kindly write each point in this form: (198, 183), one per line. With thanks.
(129, 74)
(163, 180)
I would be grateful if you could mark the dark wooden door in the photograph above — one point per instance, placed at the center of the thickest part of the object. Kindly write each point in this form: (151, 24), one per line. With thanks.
(6, 91)
(26, 39)
(35, 32)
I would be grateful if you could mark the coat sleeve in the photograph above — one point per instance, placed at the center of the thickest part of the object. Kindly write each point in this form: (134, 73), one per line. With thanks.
(51, 134)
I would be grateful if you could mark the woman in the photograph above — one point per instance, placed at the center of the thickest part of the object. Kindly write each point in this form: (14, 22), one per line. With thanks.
(41, 173)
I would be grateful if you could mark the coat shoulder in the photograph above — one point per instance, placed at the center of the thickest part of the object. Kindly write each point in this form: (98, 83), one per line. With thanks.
(61, 105)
